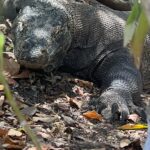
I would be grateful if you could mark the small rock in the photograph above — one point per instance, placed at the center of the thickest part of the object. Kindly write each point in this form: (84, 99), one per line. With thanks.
(124, 142)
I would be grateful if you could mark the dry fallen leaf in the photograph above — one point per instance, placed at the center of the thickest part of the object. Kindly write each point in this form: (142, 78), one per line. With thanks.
(44, 135)
(29, 111)
(75, 103)
(133, 127)
(11, 67)
(1, 87)
(13, 132)
(124, 142)
(13, 139)
(69, 121)
(1, 113)
(3, 132)
(45, 118)
(45, 147)
(12, 146)
(92, 115)
(84, 83)
(8, 142)
(78, 90)
(9, 55)
(62, 106)
(23, 74)
(2, 99)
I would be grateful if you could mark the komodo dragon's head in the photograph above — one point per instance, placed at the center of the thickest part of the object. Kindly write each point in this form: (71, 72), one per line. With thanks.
(41, 37)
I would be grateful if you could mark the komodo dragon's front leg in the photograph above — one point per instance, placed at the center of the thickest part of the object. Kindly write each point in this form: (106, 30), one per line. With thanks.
(121, 84)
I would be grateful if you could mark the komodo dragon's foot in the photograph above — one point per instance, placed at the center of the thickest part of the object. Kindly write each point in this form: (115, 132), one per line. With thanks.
(115, 104)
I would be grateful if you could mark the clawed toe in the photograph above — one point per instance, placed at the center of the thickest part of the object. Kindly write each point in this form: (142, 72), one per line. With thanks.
(111, 110)
(140, 111)
(115, 113)
(116, 105)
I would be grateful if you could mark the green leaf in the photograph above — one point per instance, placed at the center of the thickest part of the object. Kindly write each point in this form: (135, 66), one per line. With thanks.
(131, 23)
(146, 6)
(139, 37)
(2, 42)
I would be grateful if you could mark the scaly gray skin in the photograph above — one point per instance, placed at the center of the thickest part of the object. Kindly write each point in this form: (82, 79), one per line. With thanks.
(85, 39)
(123, 5)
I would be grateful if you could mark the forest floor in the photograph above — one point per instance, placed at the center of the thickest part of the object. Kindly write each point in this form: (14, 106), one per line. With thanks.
(52, 106)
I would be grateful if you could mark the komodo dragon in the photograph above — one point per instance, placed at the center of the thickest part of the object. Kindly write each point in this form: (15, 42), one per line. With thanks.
(84, 38)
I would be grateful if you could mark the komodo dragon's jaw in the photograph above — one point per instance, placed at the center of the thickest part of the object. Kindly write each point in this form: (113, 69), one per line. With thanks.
(42, 37)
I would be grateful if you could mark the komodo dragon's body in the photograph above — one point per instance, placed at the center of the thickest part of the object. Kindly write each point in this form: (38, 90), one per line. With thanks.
(81, 37)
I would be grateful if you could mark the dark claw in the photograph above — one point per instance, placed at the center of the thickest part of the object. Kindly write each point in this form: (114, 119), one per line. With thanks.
(123, 117)
(115, 112)
(141, 113)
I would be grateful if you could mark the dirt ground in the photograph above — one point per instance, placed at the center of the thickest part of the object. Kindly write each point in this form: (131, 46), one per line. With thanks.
(52, 106)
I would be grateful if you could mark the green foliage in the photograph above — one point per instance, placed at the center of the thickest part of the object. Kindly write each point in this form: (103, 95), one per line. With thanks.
(135, 31)
(139, 37)
(2, 41)
(132, 23)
